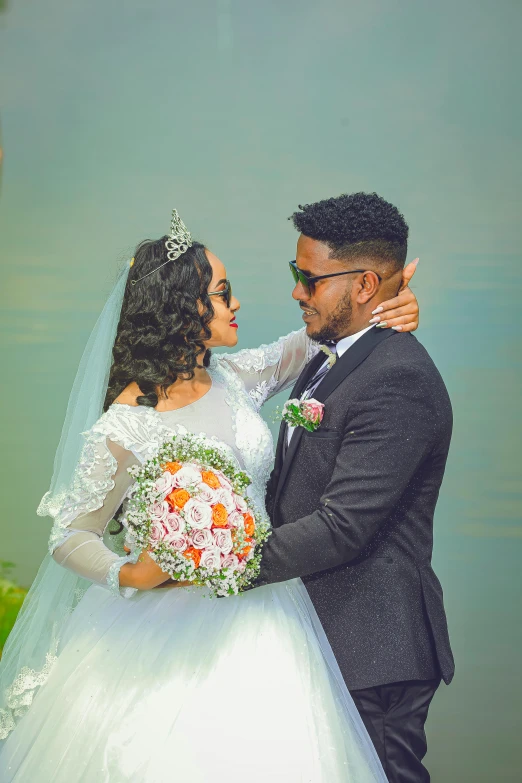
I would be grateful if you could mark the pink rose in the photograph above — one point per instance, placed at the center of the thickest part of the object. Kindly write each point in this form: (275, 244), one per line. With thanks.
(159, 511)
(157, 532)
(201, 539)
(225, 483)
(223, 539)
(177, 541)
(236, 519)
(313, 411)
(164, 484)
(241, 566)
(241, 504)
(197, 514)
(230, 561)
(174, 523)
(211, 559)
(206, 494)
(226, 498)
(187, 476)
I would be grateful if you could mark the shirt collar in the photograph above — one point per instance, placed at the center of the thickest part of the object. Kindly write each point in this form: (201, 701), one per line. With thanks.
(347, 342)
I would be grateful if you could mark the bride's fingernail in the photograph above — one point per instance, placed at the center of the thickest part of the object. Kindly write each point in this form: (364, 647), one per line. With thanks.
(375, 320)
(381, 326)
(415, 261)
(397, 328)
(377, 310)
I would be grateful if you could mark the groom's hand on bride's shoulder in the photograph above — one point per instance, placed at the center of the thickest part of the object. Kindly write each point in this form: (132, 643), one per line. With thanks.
(402, 312)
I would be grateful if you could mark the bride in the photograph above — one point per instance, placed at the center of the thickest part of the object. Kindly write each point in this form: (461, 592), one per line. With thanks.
(110, 675)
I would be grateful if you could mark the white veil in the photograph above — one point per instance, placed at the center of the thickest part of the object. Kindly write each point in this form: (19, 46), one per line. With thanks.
(31, 648)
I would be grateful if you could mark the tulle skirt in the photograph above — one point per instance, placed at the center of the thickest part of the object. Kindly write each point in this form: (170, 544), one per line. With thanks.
(172, 686)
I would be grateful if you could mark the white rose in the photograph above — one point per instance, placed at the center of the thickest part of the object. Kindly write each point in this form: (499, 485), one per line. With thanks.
(202, 539)
(223, 539)
(197, 514)
(164, 484)
(175, 523)
(241, 504)
(236, 519)
(230, 561)
(187, 476)
(211, 559)
(206, 494)
(226, 498)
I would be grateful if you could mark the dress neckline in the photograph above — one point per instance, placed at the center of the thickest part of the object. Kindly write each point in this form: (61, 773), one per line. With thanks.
(169, 410)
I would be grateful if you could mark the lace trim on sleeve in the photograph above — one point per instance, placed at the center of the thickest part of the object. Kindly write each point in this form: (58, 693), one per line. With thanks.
(113, 576)
(87, 491)
(136, 429)
(258, 359)
(262, 391)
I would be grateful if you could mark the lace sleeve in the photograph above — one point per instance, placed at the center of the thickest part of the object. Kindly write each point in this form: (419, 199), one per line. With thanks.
(269, 369)
(99, 485)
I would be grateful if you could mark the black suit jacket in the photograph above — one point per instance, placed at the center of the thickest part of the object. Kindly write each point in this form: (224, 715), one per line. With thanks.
(352, 509)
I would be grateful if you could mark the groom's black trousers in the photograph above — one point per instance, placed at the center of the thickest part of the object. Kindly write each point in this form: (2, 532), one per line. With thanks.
(394, 716)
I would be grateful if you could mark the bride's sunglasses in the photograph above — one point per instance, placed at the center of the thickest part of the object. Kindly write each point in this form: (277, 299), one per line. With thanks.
(226, 293)
(307, 281)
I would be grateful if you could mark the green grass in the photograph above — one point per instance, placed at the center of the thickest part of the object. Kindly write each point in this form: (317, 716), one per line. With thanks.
(11, 599)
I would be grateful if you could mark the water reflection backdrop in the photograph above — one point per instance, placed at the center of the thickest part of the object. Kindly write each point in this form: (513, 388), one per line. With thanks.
(235, 113)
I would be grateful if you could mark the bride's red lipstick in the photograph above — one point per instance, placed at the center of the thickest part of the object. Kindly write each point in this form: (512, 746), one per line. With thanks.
(234, 325)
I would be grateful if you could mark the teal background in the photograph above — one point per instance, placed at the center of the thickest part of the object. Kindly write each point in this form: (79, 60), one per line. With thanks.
(235, 113)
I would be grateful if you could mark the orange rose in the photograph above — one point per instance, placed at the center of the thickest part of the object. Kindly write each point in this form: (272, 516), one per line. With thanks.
(178, 498)
(219, 515)
(172, 467)
(210, 478)
(247, 549)
(193, 554)
(250, 525)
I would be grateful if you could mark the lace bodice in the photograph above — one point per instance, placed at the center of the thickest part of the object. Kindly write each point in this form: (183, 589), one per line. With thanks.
(127, 435)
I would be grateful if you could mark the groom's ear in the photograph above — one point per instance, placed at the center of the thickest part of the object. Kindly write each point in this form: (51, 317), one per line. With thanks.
(368, 286)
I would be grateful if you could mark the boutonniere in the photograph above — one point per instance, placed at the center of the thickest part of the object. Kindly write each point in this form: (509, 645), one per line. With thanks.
(303, 413)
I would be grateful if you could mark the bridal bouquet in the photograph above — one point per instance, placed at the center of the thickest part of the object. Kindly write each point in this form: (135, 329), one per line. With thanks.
(189, 509)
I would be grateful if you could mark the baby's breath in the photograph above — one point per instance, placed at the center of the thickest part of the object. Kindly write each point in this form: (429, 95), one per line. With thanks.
(207, 455)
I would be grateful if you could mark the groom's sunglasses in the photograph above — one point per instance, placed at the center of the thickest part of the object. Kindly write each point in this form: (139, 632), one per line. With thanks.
(226, 293)
(307, 281)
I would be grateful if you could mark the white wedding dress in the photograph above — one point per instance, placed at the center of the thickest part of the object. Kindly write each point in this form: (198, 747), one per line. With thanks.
(172, 685)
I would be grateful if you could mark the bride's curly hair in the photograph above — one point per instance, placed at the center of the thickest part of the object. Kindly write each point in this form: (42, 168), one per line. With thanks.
(163, 322)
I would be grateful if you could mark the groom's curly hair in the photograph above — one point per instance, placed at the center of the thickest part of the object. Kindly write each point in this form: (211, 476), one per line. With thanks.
(356, 225)
(163, 322)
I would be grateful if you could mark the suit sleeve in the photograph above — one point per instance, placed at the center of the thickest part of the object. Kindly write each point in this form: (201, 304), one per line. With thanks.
(385, 438)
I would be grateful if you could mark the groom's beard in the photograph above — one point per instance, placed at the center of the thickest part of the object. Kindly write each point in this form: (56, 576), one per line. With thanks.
(336, 323)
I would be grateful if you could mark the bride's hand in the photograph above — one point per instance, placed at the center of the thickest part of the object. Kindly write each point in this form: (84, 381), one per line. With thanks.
(402, 312)
(144, 575)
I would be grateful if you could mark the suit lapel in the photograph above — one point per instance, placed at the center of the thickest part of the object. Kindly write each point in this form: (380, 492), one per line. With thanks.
(307, 373)
(353, 357)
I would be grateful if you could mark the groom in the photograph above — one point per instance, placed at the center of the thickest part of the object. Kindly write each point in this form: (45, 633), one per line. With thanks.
(352, 503)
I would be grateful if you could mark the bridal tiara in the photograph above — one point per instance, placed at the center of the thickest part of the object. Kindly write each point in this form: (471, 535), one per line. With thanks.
(178, 242)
